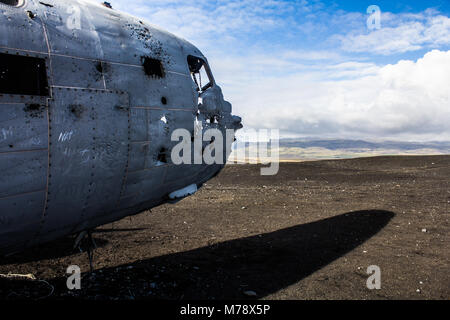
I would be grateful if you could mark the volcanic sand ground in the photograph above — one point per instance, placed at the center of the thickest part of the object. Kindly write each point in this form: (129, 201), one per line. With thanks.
(309, 232)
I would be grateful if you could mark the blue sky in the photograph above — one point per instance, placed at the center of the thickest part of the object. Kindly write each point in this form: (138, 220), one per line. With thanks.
(414, 6)
(314, 68)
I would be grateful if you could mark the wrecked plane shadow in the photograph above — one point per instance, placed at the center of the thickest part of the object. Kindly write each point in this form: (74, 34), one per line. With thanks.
(56, 249)
(264, 263)
(118, 230)
(59, 248)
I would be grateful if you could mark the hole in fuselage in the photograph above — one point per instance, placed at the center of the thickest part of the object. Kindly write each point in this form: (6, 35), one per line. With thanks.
(162, 155)
(20, 75)
(99, 67)
(153, 67)
(31, 14)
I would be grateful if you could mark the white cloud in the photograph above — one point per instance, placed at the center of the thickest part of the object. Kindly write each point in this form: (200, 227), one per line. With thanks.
(202, 19)
(401, 33)
(405, 100)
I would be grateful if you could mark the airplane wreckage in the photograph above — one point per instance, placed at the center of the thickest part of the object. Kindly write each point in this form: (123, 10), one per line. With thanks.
(89, 99)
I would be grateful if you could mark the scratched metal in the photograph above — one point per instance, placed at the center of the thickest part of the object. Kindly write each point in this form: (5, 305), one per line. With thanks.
(144, 186)
(137, 83)
(88, 151)
(19, 219)
(23, 127)
(22, 172)
(110, 121)
(19, 31)
(139, 128)
(91, 70)
(89, 30)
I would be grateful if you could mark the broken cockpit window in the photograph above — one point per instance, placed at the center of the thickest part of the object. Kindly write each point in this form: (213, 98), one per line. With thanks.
(20, 75)
(10, 2)
(200, 73)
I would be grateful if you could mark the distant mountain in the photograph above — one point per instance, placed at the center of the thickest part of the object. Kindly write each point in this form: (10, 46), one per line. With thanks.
(364, 145)
(311, 149)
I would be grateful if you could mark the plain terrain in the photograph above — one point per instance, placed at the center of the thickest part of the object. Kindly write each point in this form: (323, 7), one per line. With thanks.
(309, 232)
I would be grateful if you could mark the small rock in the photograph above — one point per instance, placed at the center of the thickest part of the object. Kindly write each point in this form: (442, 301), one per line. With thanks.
(243, 208)
(424, 230)
(250, 293)
(418, 291)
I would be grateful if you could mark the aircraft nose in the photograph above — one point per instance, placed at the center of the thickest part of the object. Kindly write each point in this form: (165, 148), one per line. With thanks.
(237, 122)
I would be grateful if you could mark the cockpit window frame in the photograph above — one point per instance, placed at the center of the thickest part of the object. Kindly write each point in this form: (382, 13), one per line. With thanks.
(208, 71)
(19, 4)
(24, 75)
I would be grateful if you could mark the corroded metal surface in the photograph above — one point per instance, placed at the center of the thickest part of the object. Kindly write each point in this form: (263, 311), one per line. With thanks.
(95, 146)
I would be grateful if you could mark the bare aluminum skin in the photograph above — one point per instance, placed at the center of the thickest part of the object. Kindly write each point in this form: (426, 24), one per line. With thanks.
(87, 154)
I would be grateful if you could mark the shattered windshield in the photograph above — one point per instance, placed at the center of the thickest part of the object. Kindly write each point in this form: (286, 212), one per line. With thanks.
(200, 73)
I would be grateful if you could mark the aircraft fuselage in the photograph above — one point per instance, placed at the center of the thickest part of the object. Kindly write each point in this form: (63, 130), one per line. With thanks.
(89, 98)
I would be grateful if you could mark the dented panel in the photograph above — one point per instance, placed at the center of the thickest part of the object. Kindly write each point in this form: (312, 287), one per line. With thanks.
(19, 219)
(148, 90)
(94, 144)
(23, 172)
(21, 28)
(88, 157)
(78, 73)
(90, 31)
(23, 127)
(144, 185)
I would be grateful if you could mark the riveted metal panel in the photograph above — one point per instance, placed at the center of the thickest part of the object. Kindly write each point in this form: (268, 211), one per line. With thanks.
(137, 82)
(160, 132)
(15, 99)
(149, 91)
(93, 159)
(23, 127)
(19, 219)
(128, 39)
(139, 129)
(23, 172)
(19, 30)
(179, 92)
(138, 156)
(71, 30)
(143, 186)
(181, 119)
(188, 173)
(72, 72)
(89, 30)
(88, 156)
